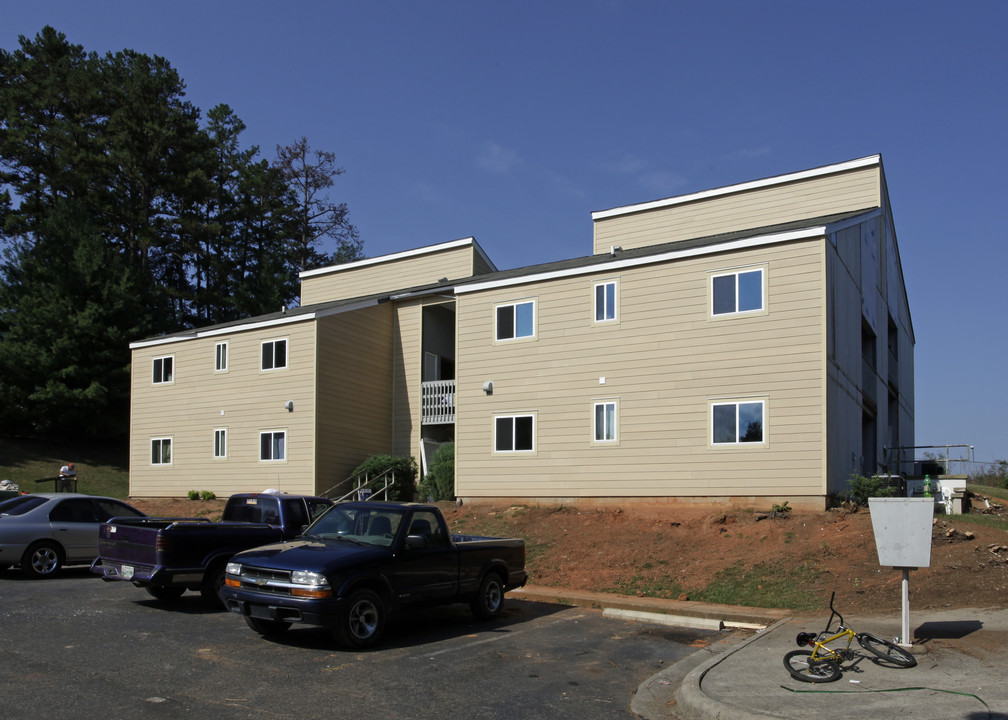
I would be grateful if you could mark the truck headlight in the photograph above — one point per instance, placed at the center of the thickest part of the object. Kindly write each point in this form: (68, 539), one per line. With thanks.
(306, 577)
(233, 568)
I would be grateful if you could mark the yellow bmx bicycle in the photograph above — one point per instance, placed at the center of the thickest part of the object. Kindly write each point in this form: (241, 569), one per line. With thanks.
(823, 664)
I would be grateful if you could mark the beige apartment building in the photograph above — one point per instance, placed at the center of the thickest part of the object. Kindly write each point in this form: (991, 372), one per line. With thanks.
(750, 343)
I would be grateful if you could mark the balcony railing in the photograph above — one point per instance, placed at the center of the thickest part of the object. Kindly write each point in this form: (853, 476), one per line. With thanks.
(437, 402)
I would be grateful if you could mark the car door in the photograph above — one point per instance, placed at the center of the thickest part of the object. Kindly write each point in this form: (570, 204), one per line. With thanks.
(429, 573)
(74, 525)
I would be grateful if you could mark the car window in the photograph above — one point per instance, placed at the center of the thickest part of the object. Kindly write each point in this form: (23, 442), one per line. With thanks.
(21, 504)
(317, 507)
(74, 510)
(112, 508)
(296, 514)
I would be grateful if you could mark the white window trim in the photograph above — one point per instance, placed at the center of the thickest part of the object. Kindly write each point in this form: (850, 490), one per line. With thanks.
(161, 439)
(535, 423)
(286, 445)
(616, 423)
(515, 304)
(227, 352)
(614, 320)
(736, 401)
(163, 358)
(272, 341)
(224, 432)
(762, 310)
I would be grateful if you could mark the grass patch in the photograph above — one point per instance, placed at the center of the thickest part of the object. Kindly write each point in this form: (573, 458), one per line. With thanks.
(768, 585)
(976, 520)
(101, 470)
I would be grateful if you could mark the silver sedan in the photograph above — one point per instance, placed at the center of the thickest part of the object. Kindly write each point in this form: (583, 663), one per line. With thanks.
(45, 531)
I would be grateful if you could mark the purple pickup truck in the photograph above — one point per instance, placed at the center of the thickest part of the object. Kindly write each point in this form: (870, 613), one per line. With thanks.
(168, 556)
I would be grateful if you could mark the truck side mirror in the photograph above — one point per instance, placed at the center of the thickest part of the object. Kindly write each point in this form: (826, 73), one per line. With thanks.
(415, 542)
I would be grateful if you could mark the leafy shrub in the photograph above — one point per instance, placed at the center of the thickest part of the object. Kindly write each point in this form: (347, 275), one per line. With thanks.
(208, 495)
(404, 469)
(194, 494)
(862, 488)
(440, 481)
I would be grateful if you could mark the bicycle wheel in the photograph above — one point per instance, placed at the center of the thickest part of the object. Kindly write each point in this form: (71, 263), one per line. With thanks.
(887, 651)
(802, 667)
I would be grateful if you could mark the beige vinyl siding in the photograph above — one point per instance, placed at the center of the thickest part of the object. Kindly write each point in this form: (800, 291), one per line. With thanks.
(354, 402)
(388, 276)
(407, 369)
(244, 400)
(664, 362)
(761, 207)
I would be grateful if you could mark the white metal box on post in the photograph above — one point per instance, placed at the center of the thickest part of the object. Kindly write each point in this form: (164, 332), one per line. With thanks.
(902, 528)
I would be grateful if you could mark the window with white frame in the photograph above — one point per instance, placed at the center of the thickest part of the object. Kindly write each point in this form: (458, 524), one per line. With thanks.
(605, 301)
(164, 369)
(274, 354)
(514, 433)
(515, 320)
(161, 451)
(273, 445)
(737, 292)
(221, 357)
(740, 422)
(220, 443)
(605, 421)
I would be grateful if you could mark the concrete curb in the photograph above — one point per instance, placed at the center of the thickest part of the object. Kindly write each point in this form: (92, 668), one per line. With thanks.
(692, 703)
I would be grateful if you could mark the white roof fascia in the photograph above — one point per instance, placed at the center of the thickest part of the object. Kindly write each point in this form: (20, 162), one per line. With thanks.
(729, 189)
(752, 242)
(254, 325)
(463, 242)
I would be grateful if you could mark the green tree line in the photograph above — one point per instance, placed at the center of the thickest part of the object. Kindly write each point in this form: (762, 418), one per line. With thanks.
(126, 213)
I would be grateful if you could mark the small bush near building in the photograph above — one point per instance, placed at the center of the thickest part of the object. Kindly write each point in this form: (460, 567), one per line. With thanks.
(862, 488)
(440, 481)
(403, 468)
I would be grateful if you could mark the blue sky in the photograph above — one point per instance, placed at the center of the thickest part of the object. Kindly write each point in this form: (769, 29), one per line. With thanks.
(512, 122)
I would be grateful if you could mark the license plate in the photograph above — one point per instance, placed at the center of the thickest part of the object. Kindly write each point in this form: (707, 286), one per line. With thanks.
(127, 572)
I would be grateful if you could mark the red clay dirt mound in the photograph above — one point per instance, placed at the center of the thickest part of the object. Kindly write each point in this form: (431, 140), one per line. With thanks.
(680, 550)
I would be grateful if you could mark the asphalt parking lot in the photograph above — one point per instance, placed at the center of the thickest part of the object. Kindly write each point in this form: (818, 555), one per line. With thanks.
(77, 647)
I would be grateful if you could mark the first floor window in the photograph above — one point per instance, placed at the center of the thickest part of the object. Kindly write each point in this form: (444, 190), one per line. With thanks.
(605, 421)
(161, 451)
(274, 355)
(737, 423)
(272, 445)
(220, 443)
(220, 362)
(516, 320)
(164, 369)
(514, 433)
(605, 301)
(737, 292)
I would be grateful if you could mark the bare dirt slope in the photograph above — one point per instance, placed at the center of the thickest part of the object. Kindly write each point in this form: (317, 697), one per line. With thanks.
(676, 552)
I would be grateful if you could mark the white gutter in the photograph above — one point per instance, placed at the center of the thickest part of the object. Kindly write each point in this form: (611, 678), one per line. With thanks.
(450, 245)
(751, 242)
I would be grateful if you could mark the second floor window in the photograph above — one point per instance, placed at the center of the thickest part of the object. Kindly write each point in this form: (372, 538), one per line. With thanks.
(164, 369)
(605, 301)
(737, 292)
(221, 359)
(516, 320)
(274, 354)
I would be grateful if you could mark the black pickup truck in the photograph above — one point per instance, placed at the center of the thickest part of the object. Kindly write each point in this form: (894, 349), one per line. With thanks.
(362, 561)
(168, 556)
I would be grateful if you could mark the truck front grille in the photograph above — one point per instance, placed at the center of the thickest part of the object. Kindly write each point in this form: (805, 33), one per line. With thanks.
(266, 580)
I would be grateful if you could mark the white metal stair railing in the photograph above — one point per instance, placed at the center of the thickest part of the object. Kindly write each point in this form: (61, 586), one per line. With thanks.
(365, 488)
(437, 402)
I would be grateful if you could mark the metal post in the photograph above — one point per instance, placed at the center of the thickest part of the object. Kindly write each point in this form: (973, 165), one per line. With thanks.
(904, 639)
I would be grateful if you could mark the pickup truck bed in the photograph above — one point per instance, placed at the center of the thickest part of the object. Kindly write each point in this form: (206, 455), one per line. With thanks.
(168, 556)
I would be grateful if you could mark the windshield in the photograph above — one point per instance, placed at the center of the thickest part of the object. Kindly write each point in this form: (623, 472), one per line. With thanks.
(368, 525)
(20, 505)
